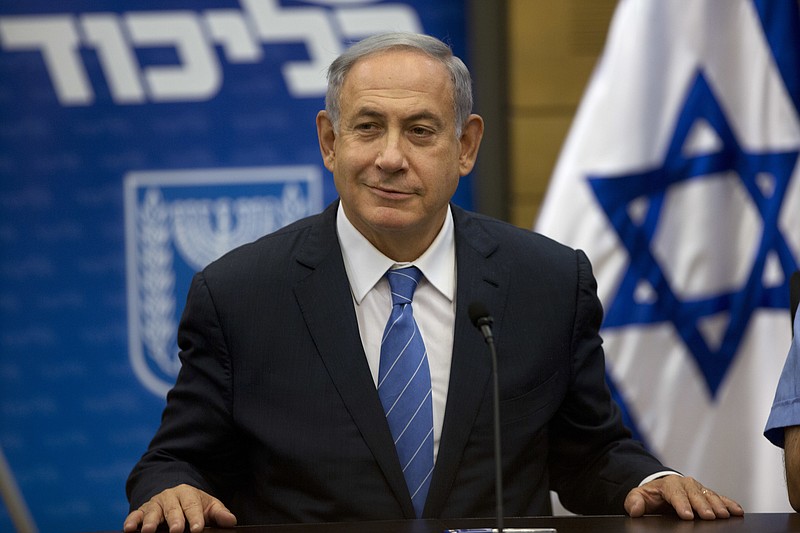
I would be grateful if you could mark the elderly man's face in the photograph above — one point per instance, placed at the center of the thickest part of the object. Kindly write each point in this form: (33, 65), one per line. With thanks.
(396, 159)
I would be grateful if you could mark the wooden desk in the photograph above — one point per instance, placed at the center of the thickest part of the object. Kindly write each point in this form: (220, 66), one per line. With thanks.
(750, 523)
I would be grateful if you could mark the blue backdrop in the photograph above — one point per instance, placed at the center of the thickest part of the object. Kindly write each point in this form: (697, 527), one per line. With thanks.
(138, 141)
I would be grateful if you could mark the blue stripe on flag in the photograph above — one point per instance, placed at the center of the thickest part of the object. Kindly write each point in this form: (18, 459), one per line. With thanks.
(781, 22)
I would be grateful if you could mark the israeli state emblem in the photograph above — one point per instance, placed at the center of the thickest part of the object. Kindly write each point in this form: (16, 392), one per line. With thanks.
(176, 223)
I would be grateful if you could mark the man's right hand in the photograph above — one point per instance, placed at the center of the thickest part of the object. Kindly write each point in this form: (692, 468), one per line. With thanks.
(175, 507)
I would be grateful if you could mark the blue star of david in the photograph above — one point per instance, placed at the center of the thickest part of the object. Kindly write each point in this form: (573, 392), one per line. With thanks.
(615, 194)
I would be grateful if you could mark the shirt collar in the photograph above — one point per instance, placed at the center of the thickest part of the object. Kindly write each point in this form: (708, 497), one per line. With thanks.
(365, 265)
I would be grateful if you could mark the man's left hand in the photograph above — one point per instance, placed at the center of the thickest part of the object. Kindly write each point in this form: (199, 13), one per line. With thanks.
(683, 494)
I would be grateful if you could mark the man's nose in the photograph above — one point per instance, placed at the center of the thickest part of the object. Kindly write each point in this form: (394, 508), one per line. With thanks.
(392, 156)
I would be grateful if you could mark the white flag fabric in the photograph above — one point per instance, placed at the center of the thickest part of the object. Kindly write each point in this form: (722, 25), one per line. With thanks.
(679, 178)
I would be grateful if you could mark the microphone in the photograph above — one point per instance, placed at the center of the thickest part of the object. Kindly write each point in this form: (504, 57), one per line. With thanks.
(482, 320)
(794, 295)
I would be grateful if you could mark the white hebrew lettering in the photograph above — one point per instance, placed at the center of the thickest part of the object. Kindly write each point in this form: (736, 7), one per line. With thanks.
(57, 39)
(102, 31)
(309, 25)
(197, 75)
(230, 29)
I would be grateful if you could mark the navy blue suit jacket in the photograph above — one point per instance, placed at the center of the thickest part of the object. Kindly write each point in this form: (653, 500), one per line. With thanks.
(275, 411)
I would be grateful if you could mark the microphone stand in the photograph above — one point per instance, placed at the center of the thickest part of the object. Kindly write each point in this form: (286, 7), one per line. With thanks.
(481, 319)
(498, 469)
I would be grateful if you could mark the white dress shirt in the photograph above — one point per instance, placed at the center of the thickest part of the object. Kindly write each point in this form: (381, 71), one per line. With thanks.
(434, 302)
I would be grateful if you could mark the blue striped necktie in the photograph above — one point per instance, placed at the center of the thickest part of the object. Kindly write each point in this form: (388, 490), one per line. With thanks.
(404, 387)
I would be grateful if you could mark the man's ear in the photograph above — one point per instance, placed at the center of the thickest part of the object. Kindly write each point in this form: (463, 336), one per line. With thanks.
(471, 136)
(327, 139)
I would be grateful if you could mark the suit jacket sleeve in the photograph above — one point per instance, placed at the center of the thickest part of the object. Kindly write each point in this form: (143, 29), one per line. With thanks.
(195, 443)
(594, 462)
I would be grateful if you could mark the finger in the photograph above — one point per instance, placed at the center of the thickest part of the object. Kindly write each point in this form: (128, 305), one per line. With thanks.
(718, 505)
(733, 507)
(192, 507)
(171, 511)
(722, 506)
(132, 521)
(634, 504)
(220, 514)
(707, 504)
(152, 516)
(680, 502)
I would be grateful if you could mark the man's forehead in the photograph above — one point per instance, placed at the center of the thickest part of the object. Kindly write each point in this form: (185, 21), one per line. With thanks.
(395, 50)
(393, 57)
(383, 77)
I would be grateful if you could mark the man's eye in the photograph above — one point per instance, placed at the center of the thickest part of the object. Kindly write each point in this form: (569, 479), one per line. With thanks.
(419, 131)
(367, 127)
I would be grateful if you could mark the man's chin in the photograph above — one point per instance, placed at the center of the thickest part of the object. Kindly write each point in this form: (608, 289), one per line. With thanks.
(392, 219)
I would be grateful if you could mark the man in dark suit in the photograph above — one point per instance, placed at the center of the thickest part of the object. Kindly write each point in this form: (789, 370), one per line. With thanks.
(275, 411)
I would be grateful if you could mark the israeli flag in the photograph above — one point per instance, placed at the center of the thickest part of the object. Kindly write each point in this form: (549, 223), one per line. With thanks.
(679, 179)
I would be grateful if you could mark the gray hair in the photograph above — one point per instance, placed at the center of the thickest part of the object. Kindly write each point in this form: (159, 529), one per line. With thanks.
(459, 74)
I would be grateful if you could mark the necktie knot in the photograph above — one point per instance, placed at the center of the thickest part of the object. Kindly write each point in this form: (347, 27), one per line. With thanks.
(403, 283)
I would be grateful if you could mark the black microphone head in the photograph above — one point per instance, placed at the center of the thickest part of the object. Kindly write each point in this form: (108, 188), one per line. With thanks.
(479, 314)
(794, 294)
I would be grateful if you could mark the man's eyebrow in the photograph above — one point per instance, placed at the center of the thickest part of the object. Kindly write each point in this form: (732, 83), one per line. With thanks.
(425, 115)
(370, 112)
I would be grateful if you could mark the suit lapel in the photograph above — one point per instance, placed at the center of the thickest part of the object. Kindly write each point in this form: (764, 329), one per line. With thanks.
(324, 298)
(479, 279)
